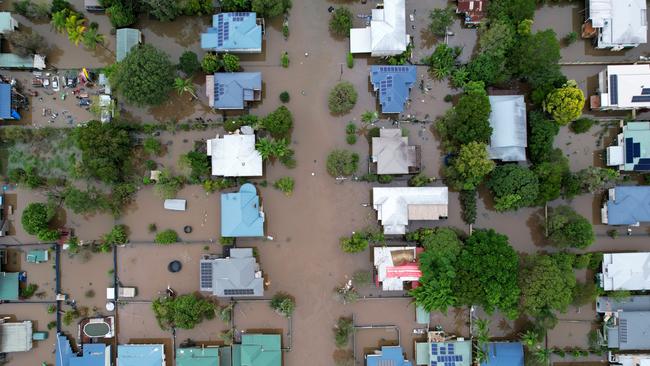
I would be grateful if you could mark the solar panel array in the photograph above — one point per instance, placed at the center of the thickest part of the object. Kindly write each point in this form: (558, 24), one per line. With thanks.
(206, 275)
(384, 85)
(444, 354)
(235, 292)
(223, 30)
(219, 90)
(238, 17)
(613, 89)
(641, 98)
(394, 69)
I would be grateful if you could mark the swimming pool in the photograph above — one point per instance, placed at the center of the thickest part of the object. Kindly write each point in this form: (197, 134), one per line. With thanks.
(97, 329)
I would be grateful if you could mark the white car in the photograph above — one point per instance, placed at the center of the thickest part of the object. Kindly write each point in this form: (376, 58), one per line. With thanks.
(55, 83)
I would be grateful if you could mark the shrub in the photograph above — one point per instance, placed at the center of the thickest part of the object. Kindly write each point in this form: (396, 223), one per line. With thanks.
(351, 128)
(571, 38)
(152, 146)
(342, 332)
(152, 227)
(384, 178)
(189, 63)
(448, 98)
(342, 98)
(341, 22)
(441, 19)
(184, 312)
(362, 278)
(356, 243)
(230, 62)
(285, 97)
(117, 236)
(90, 293)
(28, 291)
(419, 180)
(278, 122)
(567, 228)
(342, 163)
(468, 206)
(210, 63)
(351, 139)
(224, 240)
(283, 304)
(581, 125)
(284, 59)
(36, 218)
(350, 60)
(168, 236)
(285, 184)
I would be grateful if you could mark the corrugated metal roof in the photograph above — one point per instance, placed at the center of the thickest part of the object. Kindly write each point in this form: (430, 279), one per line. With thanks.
(5, 101)
(233, 32)
(629, 206)
(197, 356)
(508, 121)
(127, 38)
(392, 84)
(233, 89)
(241, 214)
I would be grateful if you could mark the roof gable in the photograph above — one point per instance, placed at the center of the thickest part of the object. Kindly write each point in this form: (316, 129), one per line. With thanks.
(237, 32)
(241, 214)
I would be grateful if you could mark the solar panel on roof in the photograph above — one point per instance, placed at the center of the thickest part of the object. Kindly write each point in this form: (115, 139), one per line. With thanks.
(613, 89)
(637, 149)
(235, 292)
(645, 91)
(641, 98)
(629, 150)
(206, 275)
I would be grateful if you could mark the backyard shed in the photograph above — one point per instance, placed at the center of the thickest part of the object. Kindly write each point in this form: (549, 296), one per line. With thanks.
(127, 38)
(175, 204)
(16, 337)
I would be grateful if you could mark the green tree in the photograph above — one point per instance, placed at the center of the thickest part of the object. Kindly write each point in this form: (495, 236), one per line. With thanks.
(535, 58)
(441, 19)
(546, 285)
(468, 121)
(582, 125)
(189, 63)
(512, 11)
(278, 122)
(341, 22)
(565, 104)
(184, 311)
(270, 8)
(285, 184)
(284, 59)
(105, 150)
(468, 169)
(230, 62)
(271, 149)
(168, 236)
(342, 98)
(468, 206)
(542, 134)
(198, 163)
(283, 303)
(585, 293)
(152, 146)
(496, 39)
(369, 116)
(490, 69)
(285, 97)
(566, 228)
(488, 273)
(92, 38)
(211, 63)
(513, 187)
(122, 13)
(342, 331)
(117, 236)
(145, 76)
(36, 217)
(75, 26)
(58, 20)
(85, 202)
(356, 243)
(185, 86)
(163, 10)
(235, 5)
(168, 185)
(550, 176)
(594, 179)
(342, 163)
(442, 61)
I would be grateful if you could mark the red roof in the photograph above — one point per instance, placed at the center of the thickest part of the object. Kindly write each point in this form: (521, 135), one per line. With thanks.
(407, 270)
(474, 10)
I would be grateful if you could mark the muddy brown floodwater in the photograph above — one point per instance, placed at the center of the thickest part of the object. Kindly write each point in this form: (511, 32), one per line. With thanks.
(304, 258)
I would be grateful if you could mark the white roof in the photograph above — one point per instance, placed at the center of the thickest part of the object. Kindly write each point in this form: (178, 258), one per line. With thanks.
(235, 156)
(175, 204)
(626, 271)
(392, 153)
(387, 31)
(615, 156)
(619, 84)
(633, 359)
(16, 337)
(620, 23)
(383, 259)
(395, 206)
(508, 121)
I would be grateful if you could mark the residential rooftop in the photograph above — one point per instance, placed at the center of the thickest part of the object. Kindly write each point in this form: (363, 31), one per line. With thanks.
(233, 90)
(619, 23)
(392, 154)
(632, 149)
(141, 355)
(396, 206)
(241, 213)
(258, 350)
(237, 275)
(474, 11)
(624, 87)
(233, 32)
(627, 205)
(630, 331)
(235, 156)
(198, 356)
(508, 121)
(388, 355)
(395, 266)
(15, 336)
(631, 303)
(392, 85)
(625, 271)
(450, 353)
(386, 35)
(96, 354)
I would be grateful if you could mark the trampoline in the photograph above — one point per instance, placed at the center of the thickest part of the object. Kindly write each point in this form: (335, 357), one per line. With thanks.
(174, 266)
(97, 329)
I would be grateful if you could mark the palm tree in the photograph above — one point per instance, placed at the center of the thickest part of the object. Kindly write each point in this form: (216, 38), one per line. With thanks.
(530, 338)
(59, 20)
(265, 146)
(92, 38)
(369, 116)
(542, 355)
(75, 26)
(184, 86)
(280, 148)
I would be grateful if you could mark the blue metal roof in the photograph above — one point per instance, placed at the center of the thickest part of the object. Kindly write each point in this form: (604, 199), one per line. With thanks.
(5, 101)
(630, 205)
(390, 355)
(505, 354)
(240, 213)
(93, 354)
(140, 355)
(233, 32)
(233, 89)
(393, 84)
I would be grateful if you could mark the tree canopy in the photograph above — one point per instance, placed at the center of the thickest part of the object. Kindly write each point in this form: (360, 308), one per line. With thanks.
(488, 270)
(144, 77)
(36, 217)
(513, 187)
(342, 98)
(341, 22)
(342, 163)
(441, 19)
(469, 167)
(278, 122)
(184, 311)
(105, 150)
(468, 121)
(551, 176)
(566, 228)
(547, 284)
(512, 11)
(541, 136)
(442, 61)
(535, 58)
(270, 8)
(565, 104)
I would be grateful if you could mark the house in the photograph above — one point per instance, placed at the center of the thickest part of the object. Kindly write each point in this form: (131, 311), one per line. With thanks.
(7, 22)
(625, 271)
(626, 323)
(234, 32)
(396, 206)
(616, 24)
(241, 213)
(258, 350)
(93, 354)
(140, 355)
(233, 90)
(632, 149)
(13, 61)
(627, 205)
(636, 359)
(443, 352)
(15, 337)
(504, 354)
(474, 11)
(8, 281)
(235, 156)
(127, 38)
(93, 6)
(508, 141)
(389, 355)
(386, 35)
(198, 356)
(623, 87)
(392, 85)
(237, 275)
(391, 153)
(396, 266)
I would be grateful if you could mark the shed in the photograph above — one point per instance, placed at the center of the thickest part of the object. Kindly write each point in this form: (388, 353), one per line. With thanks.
(127, 38)
(421, 315)
(175, 204)
(13, 61)
(16, 337)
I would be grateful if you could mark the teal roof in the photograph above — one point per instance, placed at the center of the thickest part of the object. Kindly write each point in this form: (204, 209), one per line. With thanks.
(233, 32)
(636, 146)
(258, 350)
(389, 355)
(421, 315)
(11, 61)
(7, 22)
(127, 38)
(8, 286)
(197, 356)
(37, 256)
(240, 213)
(140, 354)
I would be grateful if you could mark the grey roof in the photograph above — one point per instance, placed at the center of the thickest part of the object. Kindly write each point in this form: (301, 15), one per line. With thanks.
(127, 38)
(392, 153)
(632, 331)
(233, 89)
(16, 337)
(630, 205)
(632, 303)
(235, 276)
(508, 121)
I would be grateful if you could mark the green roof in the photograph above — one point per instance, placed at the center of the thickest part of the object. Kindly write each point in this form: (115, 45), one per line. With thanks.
(206, 356)
(12, 61)
(8, 286)
(258, 350)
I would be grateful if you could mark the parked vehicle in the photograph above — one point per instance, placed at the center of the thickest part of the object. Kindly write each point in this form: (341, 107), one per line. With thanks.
(37, 82)
(55, 83)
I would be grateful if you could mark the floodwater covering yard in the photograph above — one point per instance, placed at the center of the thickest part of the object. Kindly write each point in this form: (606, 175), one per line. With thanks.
(304, 258)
